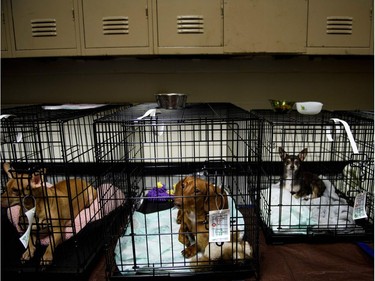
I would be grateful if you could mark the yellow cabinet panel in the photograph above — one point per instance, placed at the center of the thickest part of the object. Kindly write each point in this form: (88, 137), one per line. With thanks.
(44, 24)
(116, 23)
(193, 23)
(339, 23)
(32, 28)
(276, 26)
(6, 39)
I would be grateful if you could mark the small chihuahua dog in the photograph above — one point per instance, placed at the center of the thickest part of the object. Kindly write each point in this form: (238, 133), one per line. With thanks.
(55, 207)
(298, 182)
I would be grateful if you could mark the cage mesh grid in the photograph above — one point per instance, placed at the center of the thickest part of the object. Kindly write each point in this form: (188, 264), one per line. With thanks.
(136, 251)
(346, 174)
(214, 142)
(62, 143)
(361, 124)
(189, 135)
(35, 134)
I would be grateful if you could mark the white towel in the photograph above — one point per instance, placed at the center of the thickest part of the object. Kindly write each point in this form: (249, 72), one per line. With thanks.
(327, 211)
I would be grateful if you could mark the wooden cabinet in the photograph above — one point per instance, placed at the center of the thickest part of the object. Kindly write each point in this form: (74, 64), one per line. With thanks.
(184, 27)
(116, 27)
(32, 28)
(265, 26)
(340, 27)
(45, 27)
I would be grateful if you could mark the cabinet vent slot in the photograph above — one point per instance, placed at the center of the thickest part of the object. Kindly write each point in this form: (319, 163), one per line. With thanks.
(190, 24)
(339, 25)
(43, 27)
(115, 25)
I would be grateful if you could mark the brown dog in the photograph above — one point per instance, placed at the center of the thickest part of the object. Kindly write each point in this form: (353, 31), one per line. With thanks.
(53, 205)
(195, 197)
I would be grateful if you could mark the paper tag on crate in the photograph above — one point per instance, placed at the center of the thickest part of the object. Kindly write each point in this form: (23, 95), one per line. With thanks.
(219, 225)
(359, 211)
(26, 236)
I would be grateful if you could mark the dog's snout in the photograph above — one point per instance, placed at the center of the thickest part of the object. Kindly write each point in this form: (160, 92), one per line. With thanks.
(178, 203)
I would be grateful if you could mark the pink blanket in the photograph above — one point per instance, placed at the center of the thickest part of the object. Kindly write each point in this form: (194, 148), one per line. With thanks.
(109, 198)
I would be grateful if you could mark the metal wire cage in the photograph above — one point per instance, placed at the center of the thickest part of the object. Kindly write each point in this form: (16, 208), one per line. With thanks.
(340, 152)
(56, 145)
(40, 133)
(158, 148)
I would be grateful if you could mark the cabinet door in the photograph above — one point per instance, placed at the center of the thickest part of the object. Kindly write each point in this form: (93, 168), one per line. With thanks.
(339, 23)
(44, 24)
(276, 26)
(5, 50)
(6, 40)
(189, 24)
(115, 23)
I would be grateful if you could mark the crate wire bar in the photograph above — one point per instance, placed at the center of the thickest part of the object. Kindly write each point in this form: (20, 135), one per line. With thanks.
(193, 134)
(362, 124)
(34, 134)
(211, 141)
(62, 142)
(344, 172)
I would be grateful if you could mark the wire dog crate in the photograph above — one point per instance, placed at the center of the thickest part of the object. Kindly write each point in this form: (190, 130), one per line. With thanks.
(54, 145)
(51, 134)
(340, 151)
(158, 148)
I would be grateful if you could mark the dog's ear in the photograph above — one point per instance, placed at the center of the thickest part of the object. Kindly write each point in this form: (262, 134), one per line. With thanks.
(302, 155)
(177, 188)
(7, 167)
(282, 153)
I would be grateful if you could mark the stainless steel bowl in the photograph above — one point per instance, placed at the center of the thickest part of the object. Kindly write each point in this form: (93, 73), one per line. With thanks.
(171, 100)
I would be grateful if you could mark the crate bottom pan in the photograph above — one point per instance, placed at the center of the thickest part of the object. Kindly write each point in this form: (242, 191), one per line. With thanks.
(227, 273)
(359, 233)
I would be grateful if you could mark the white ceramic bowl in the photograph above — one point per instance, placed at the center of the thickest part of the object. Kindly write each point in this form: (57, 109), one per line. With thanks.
(309, 107)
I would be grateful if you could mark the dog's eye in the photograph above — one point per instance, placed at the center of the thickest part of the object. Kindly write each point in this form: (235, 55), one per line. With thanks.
(199, 191)
(15, 190)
